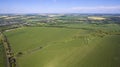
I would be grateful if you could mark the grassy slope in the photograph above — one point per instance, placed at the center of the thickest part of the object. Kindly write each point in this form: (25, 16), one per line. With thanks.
(2, 58)
(65, 48)
(30, 38)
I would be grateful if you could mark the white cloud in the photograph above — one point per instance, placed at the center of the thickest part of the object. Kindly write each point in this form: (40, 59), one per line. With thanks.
(100, 9)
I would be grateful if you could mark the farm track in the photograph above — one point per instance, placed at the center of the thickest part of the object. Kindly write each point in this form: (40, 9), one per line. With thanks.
(10, 58)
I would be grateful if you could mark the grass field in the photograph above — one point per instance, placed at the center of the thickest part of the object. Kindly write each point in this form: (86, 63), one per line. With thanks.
(77, 46)
(2, 56)
(2, 61)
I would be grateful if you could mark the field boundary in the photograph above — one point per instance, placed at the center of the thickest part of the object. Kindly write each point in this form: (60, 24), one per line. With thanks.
(10, 58)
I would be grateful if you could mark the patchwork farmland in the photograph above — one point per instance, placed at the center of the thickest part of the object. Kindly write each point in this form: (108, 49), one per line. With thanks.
(55, 40)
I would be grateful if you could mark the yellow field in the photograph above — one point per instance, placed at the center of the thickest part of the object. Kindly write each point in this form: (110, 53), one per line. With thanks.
(96, 18)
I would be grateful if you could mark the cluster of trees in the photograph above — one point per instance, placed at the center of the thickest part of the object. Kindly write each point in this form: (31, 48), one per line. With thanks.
(10, 21)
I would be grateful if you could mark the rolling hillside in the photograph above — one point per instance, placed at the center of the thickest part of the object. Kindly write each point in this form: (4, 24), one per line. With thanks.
(66, 47)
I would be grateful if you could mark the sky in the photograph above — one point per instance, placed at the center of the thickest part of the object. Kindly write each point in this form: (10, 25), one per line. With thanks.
(59, 6)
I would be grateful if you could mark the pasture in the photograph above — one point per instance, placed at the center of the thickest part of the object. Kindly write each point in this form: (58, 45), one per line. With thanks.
(75, 45)
(2, 55)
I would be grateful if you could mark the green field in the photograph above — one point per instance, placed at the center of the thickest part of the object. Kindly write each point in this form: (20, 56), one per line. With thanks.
(2, 55)
(2, 61)
(76, 45)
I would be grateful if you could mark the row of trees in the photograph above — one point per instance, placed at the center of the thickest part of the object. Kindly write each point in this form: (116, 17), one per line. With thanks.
(11, 60)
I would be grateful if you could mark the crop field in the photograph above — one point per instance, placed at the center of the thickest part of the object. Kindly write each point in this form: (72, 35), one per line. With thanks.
(97, 18)
(75, 45)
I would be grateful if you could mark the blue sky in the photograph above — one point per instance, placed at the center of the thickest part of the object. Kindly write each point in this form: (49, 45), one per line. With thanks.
(59, 6)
